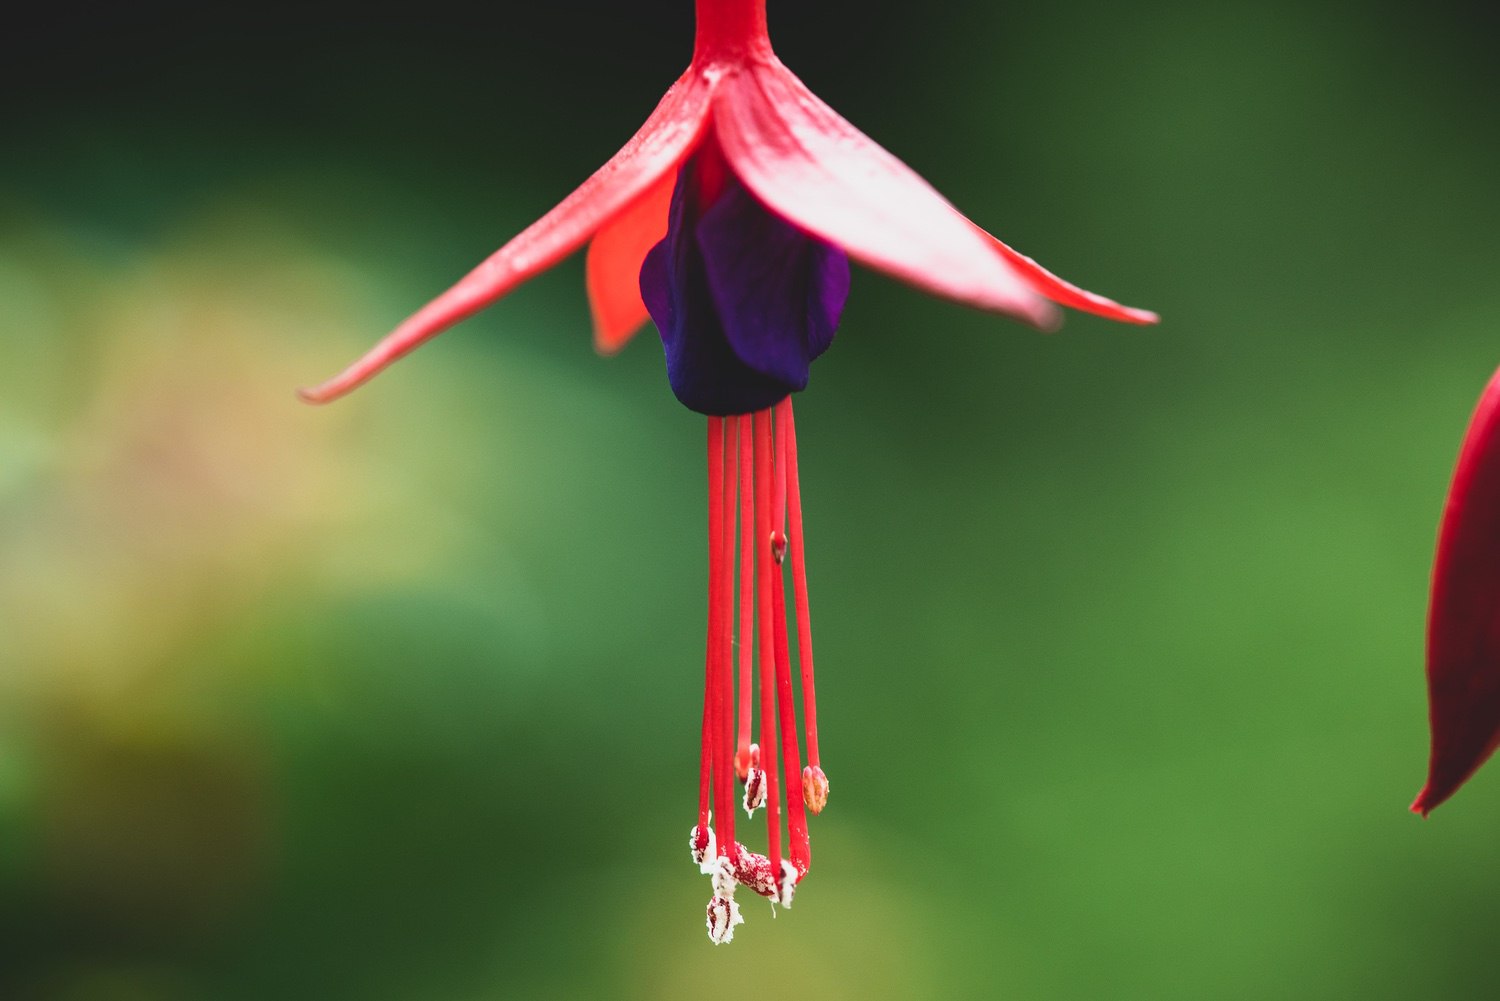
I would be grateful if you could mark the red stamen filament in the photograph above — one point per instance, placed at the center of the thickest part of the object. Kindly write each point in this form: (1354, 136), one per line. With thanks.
(799, 591)
(796, 818)
(726, 642)
(721, 562)
(778, 526)
(761, 423)
(753, 487)
(710, 715)
(747, 591)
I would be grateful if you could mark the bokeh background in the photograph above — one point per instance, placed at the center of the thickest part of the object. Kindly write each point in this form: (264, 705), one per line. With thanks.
(1120, 630)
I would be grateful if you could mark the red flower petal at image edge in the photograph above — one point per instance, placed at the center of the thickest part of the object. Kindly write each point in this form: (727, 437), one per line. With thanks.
(1463, 622)
(733, 214)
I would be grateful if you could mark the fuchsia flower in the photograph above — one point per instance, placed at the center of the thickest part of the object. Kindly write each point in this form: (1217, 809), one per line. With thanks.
(1463, 622)
(730, 219)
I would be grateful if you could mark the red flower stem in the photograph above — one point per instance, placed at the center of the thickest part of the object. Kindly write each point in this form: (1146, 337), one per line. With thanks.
(796, 815)
(729, 28)
(763, 582)
(747, 590)
(799, 589)
(724, 744)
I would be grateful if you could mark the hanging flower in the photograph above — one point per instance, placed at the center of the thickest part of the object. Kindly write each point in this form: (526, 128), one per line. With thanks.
(1463, 622)
(730, 220)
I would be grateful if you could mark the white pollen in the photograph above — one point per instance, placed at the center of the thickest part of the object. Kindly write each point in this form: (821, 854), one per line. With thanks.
(723, 916)
(722, 877)
(788, 884)
(704, 860)
(755, 791)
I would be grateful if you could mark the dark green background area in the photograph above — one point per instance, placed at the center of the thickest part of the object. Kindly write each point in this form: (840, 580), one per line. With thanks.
(1119, 629)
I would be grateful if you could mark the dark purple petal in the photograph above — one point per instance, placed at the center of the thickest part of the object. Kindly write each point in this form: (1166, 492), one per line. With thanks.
(744, 301)
(779, 292)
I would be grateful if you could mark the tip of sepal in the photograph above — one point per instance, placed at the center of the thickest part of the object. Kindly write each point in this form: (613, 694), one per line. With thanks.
(340, 385)
(604, 346)
(1065, 293)
(610, 339)
(1140, 317)
(1426, 802)
(1039, 313)
(1125, 314)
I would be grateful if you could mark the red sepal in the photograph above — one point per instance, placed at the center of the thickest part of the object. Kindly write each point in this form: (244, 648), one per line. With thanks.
(812, 167)
(1066, 293)
(668, 136)
(613, 269)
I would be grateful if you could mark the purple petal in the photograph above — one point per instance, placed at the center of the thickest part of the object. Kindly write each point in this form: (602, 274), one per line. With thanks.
(744, 301)
(779, 292)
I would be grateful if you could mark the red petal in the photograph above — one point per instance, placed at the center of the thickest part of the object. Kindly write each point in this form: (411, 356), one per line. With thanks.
(666, 138)
(1463, 625)
(812, 167)
(1067, 294)
(613, 270)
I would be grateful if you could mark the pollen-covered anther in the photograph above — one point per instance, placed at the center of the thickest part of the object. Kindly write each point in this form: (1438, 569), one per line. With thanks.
(814, 788)
(778, 546)
(723, 912)
(746, 761)
(755, 791)
(723, 916)
(701, 845)
(787, 884)
(754, 779)
(754, 871)
(723, 876)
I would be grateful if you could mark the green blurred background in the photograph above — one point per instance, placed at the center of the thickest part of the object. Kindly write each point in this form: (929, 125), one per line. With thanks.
(1120, 629)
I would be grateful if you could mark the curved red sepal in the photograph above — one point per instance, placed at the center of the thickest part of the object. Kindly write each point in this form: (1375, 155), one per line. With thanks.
(812, 167)
(613, 269)
(1066, 293)
(656, 150)
(1463, 624)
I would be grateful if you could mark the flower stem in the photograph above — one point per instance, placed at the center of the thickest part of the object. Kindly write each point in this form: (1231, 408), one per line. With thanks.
(728, 28)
